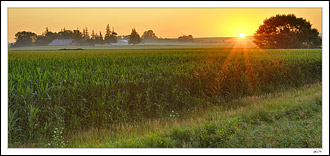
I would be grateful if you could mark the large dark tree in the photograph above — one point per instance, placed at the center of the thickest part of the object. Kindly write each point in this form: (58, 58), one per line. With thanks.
(134, 38)
(287, 32)
(24, 38)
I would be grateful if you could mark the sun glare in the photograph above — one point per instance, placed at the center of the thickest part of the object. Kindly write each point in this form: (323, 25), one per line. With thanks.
(241, 35)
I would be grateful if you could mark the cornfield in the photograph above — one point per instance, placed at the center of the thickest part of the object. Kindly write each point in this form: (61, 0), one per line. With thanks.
(78, 90)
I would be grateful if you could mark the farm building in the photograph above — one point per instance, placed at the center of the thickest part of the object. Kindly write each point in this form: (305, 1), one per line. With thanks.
(61, 42)
(119, 42)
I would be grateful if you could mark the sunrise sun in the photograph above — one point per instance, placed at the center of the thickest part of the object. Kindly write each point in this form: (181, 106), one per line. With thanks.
(241, 35)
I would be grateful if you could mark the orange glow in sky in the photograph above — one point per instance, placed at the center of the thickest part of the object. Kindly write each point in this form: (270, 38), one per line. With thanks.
(165, 22)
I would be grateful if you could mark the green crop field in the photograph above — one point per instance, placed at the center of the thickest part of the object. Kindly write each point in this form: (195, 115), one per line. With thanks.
(55, 95)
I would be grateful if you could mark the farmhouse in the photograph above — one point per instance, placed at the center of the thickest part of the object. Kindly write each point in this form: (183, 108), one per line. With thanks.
(61, 42)
(119, 42)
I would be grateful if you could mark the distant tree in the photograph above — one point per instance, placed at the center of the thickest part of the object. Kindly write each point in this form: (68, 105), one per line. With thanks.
(287, 32)
(41, 40)
(50, 36)
(107, 33)
(24, 38)
(186, 38)
(149, 35)
(85, 35)
(93, 35)
(65, 34)
(77, 36)
(99, 39)
(113, 32)
(134, 38)
(110, 36)
(113, 37)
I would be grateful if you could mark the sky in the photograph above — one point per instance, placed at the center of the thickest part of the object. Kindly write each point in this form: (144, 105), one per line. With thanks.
(165, 22)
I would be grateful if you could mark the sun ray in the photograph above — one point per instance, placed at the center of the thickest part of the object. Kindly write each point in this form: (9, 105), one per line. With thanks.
(233, 54)
(249, 70)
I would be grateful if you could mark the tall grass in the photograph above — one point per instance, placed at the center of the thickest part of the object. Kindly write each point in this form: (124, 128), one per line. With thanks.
(285, 119)
(75, 91)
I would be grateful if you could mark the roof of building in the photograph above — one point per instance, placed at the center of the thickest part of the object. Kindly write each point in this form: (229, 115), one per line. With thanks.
(123, 41)
(61, 42)
(119, 42)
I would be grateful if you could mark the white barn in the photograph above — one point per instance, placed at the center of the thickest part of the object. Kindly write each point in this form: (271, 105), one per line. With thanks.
(61, 42)
(119, 43)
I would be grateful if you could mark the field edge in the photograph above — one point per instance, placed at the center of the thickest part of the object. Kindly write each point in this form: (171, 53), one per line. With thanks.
(296, 111)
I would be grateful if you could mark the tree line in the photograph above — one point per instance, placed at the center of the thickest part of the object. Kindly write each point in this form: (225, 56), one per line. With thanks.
(277, 32)
(24, 38)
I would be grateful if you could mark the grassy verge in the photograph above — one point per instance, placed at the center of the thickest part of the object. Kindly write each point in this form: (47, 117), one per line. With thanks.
(287, 119)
